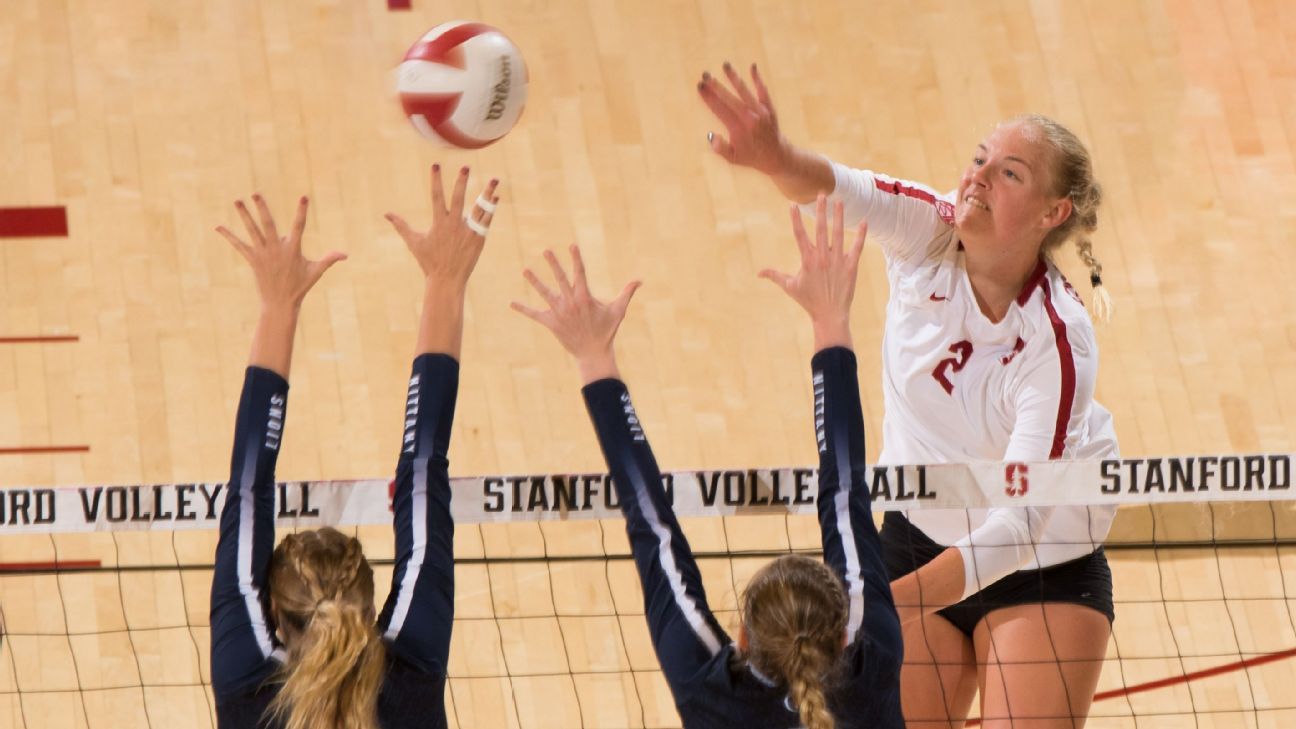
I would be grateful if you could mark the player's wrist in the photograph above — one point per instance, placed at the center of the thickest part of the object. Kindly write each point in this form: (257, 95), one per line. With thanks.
(832, 332)
(597, 365)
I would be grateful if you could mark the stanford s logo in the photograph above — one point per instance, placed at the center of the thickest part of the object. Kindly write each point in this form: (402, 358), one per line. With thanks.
(1015, 478)
(946, 211)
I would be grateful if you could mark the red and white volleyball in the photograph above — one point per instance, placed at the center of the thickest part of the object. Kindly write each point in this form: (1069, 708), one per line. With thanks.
(463, 84)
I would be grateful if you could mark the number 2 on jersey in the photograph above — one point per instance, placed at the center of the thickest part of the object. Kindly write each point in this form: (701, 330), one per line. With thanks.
(962, 350)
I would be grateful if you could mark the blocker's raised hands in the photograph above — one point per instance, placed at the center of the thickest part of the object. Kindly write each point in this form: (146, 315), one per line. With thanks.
(448, 251)
(283, 274)
(825, 284)
(584, 325)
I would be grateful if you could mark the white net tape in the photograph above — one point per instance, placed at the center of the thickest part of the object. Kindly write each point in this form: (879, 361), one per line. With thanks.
(479, 500)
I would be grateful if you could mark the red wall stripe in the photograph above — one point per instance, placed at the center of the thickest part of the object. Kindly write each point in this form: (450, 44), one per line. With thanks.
(31, 450)
(53, 339)
(33, 222)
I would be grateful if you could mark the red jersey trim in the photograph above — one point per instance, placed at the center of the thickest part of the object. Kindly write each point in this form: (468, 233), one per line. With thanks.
(895, 187)
(1041, 269)
(1066, 400)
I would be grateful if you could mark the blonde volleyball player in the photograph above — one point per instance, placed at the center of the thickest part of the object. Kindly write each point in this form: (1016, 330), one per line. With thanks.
(819, 646)
(988, 354)
(296, 641)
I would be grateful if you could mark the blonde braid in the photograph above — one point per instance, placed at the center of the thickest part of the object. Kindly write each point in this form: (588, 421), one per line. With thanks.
(1074, 179)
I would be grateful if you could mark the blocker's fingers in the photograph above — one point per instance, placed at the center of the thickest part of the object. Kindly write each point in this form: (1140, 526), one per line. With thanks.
(821, 224)
(238, 245)
(438, 192)
(578, 269)
(299, 222)
(460, 188)
(838, 237)
(484, 215)
(778, 278)
(533, 314)
(402, 228)
(545, 293)
(559, 274)
(267, 220)
(254, 231)
(799, 232)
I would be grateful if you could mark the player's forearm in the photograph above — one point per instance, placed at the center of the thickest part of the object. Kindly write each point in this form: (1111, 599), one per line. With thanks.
(934, 586)
(272, 342)
(441, 323)
(803, 175)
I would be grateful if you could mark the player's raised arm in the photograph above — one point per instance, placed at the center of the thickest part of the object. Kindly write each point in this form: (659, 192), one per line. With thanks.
(685, 634)
(752, 137)
(419, 613)
(243, 645)
(825, 286)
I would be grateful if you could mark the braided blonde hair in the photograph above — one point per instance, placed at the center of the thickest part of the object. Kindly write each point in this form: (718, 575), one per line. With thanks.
(322, 589)
(1074, 179)
(794, 612)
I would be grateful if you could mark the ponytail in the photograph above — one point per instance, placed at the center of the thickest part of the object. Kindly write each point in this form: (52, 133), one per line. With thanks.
(323, 593)
(794, 616)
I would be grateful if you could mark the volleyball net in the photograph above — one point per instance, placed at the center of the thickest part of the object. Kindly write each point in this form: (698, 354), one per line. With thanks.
(104, 589)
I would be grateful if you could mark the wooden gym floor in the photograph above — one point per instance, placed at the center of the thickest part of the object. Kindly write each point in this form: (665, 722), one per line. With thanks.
(147, 118)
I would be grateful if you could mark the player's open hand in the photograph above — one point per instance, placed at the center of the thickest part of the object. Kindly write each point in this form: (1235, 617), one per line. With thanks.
(583, 324)
(749, 119)
(825, 285)
(283, 274)
(448, 251)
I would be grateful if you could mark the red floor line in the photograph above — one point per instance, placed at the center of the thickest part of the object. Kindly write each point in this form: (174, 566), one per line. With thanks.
(1185, 678)
(1204, 673)
(35, 566)
(30, 450)
(40, 339)
(48, 222)
(398, 4)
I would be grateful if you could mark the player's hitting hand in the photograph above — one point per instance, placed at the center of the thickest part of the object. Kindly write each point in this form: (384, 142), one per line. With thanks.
(283, 274)
(825, 284)
(448, 251)
(749, 119)
(583, 324)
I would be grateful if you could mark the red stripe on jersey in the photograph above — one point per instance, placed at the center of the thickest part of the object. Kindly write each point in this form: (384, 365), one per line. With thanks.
(1035, 278)
(1067, 398)
(895, 187)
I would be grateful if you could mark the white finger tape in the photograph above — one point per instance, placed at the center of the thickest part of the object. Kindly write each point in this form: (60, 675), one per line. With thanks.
(486, 205)
(476, 227)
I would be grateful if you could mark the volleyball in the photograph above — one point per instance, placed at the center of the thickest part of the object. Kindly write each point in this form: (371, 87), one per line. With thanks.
(463, 84)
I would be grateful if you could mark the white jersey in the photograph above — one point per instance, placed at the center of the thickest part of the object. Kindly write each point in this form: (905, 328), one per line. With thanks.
(961, 388)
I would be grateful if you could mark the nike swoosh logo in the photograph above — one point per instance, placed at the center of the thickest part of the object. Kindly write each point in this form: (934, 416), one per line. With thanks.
(934, 297)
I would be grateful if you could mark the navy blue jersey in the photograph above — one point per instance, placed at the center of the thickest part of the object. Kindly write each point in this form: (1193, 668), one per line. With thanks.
(711, 689)
(416, 620)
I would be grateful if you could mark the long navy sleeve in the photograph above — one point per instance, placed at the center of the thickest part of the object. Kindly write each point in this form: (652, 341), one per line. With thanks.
(243, 649)
(685, 635)
(871, 690)
(419, 613)
(713, 687)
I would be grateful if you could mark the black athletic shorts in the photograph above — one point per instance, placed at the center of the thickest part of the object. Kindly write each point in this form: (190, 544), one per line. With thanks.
(1084, 581)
